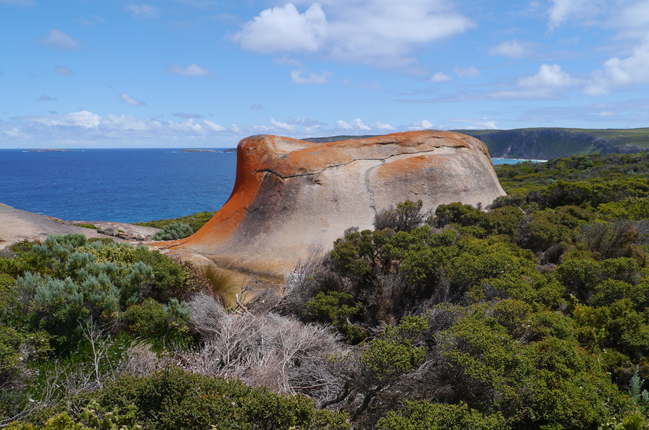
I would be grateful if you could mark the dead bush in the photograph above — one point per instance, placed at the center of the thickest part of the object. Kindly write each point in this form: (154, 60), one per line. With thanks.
(265, 350)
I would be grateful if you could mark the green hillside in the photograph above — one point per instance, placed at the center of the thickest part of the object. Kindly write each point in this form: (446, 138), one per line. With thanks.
(546, 143)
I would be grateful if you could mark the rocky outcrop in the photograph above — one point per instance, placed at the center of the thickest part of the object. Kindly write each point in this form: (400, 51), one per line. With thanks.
(291, 194)
(17, 225)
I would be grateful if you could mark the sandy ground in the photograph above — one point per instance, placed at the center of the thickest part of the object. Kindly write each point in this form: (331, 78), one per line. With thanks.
(17, 225)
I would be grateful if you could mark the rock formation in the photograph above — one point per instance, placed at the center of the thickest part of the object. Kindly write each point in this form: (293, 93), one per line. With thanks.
(291, 194)
(17, 225)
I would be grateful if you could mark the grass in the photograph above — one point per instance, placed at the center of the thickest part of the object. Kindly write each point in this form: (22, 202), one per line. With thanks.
(222, 283)
(92, 226)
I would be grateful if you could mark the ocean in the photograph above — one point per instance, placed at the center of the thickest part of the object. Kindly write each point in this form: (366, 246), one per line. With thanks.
(120, 185)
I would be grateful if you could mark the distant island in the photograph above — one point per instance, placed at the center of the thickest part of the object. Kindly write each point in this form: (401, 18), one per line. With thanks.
(199, 150)
(51, 150)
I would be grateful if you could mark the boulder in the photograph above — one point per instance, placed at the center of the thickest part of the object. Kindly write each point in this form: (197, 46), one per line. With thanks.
(290, 195)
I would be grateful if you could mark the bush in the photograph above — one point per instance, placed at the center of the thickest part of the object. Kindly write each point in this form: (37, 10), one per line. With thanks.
(177, 230)
(336, 309)
(174, 399)
(437, 416)
(406, 217)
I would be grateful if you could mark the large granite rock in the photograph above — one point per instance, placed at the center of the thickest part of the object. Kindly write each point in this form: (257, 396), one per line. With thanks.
(290, 194)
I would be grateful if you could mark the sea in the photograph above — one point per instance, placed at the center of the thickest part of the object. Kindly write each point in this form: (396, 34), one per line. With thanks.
(119, 185)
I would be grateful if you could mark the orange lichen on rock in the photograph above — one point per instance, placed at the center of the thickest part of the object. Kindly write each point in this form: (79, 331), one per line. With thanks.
(290, 194)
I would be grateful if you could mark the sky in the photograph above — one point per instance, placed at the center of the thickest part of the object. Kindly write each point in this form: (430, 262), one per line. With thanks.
(207, 73)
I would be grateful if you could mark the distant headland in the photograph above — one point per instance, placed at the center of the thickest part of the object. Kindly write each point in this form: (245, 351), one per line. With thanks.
(51, 150)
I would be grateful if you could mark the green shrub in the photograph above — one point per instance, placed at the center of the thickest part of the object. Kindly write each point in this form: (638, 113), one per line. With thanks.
(158, 323)
(437, 416)
(336, 309)
(177, 230)
(174, 399)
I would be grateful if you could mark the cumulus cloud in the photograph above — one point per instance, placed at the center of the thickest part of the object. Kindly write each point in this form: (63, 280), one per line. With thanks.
(284, 29)
(549, 82)
(130, 100)
(511, 49)
(81, 119)
(383, 126)
(618, 72)
(420, 125)
(441, 77)
(59, 40)
(299, 77)
(381, 33)
(305, 122)
(214, 126)
(282, 125)
(549, 76)
(62, 70)
(192, 70)
(46, 99)
(356, 124)
(141, 10)
(467, 72)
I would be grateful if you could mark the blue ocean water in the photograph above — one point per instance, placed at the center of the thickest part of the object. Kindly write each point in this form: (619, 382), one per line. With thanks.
(121, 185)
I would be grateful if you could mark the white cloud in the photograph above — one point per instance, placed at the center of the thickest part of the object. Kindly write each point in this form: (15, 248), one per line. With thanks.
(284, 29)
(382, 126)
(142, 10)
(312, 78)
(467, 72)
(511, 49)
(59, 40)
(441, 77)
(420, 125)
(617, 72)
(214, 126)
(82, 119)
(13, 134)
(549, 82)
(356, 124)
(193, 70)
(380, 33)
(281, 125)
(549, 76)
(130, 100)
(62, 70)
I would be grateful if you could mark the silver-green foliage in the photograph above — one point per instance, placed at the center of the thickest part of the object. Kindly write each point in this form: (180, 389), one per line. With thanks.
(173, 231)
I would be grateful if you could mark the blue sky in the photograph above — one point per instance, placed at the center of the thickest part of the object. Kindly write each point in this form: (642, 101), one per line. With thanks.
(206, 73)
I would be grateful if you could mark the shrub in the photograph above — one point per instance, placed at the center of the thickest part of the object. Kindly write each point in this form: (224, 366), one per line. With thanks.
(173, 231)
(437, 416)
(336, 309)
(160, 324)
(175, 399)
(406, 217)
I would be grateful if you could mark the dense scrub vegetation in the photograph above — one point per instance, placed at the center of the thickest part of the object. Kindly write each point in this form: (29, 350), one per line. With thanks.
(531, 315)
